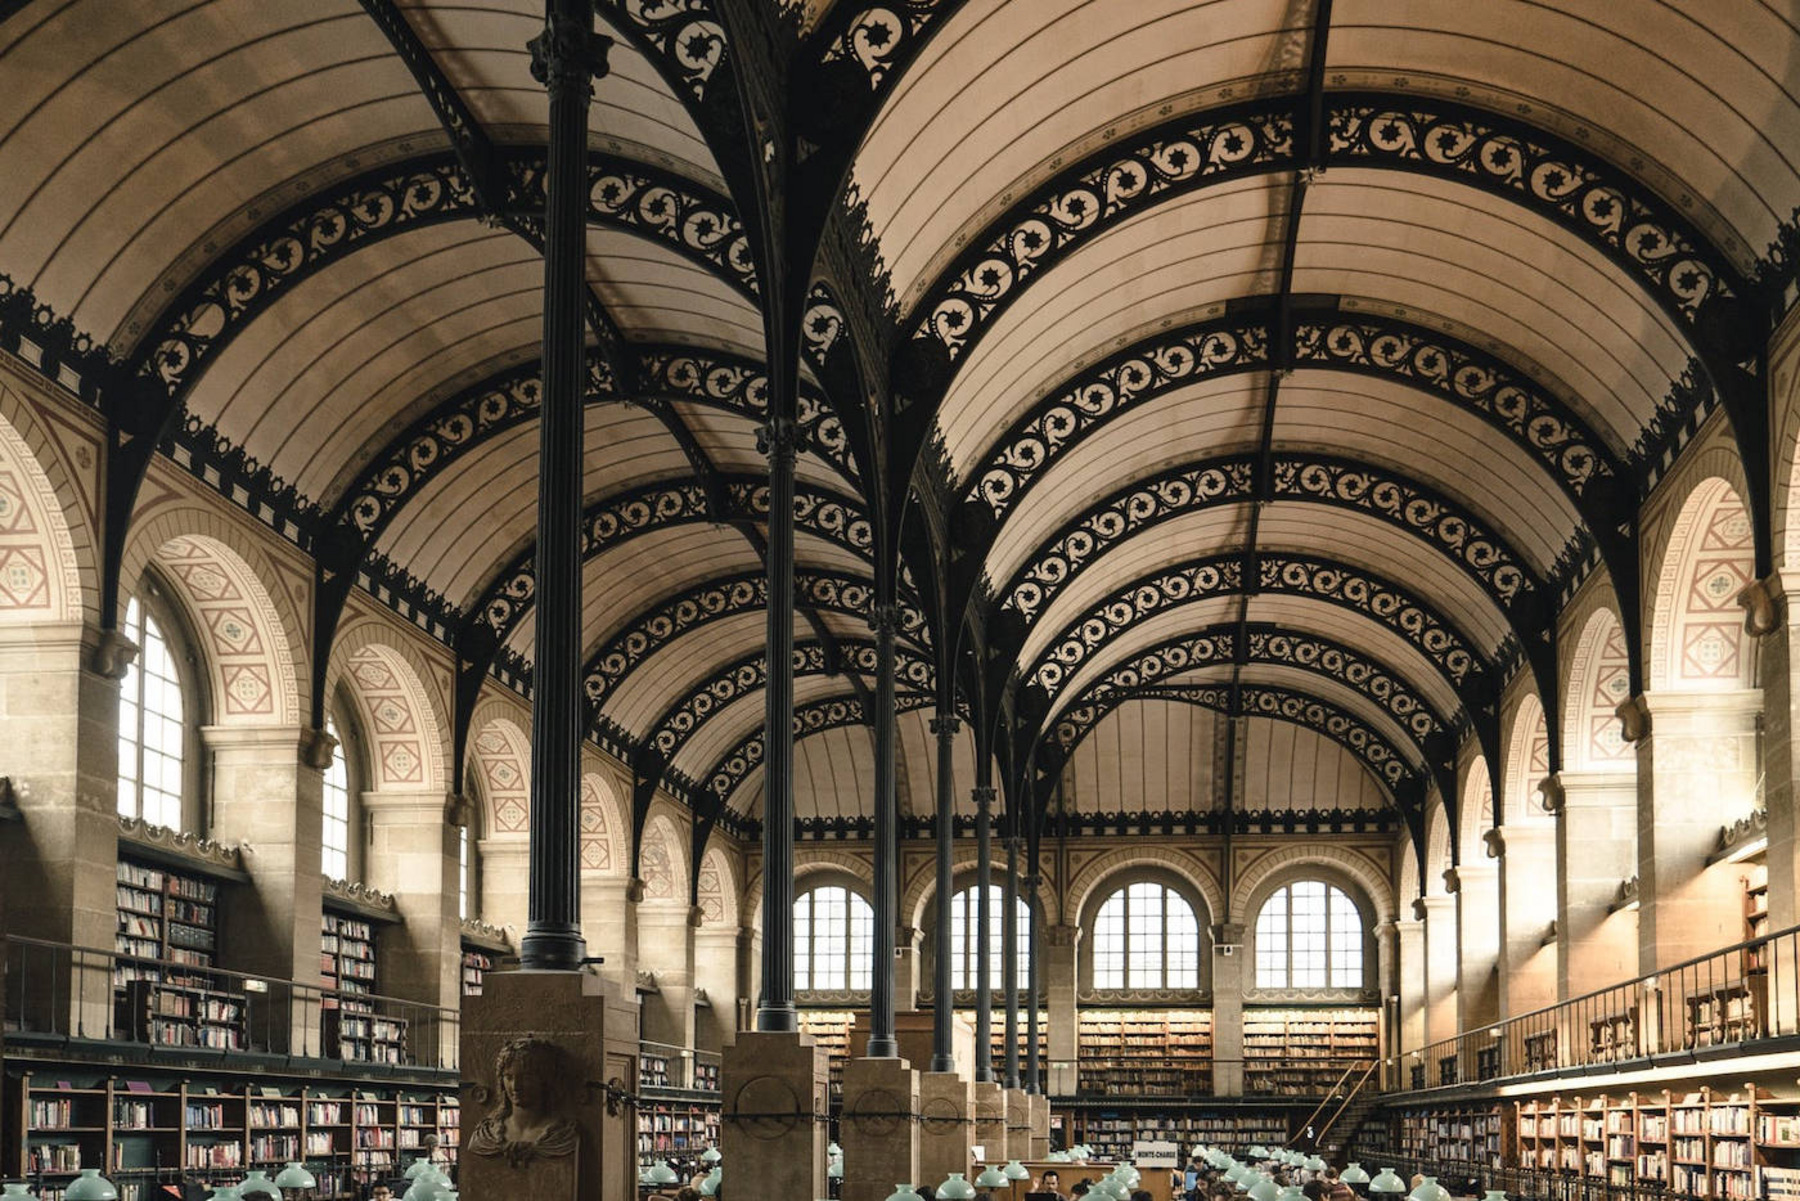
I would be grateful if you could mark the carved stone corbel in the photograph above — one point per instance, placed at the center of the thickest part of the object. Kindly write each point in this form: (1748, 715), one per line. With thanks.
(113, 655)
(316, 748)
(1634, 718)
(1552, 794)
(1495, 841)
(1764, 604)
(1452, 881)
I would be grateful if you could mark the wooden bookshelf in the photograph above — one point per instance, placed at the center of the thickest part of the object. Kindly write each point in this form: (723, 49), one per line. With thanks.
(1467, 1138)
(997, 1041)
(1301, 1052)
(1145, 1052)
(831, 1027)
(476, 964)
(346, 957)
(675, 1129)
(1112, 1131)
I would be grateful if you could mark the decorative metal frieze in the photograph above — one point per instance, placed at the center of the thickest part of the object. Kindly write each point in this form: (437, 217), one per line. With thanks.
(715, 599)
(1270, 644)
(610, 523)
(877, 37)
(746, 675)
(263, 267)
(1477, 550)
(1469, 378)
(741, 386)
(700, 225)
(1146, 668)
(735, 766)
(211, 458)
(1097, 395)
(1574, 187)
(822, 326)
(360, 895)
(201, 851)
(1115, 518)
(1103, 191)
(687, 34)
(1295, 575)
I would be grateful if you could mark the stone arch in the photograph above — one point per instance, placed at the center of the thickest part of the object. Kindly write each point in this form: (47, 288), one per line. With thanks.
(716, 890)
(244, 635)
(916, 899)
(1476, 808)
(662, 863)
(602, 824)
(404, 728)
(1263, 875)
(501, 755)
(1099, 874)
(1598, 683)
(1697, 640)
(1527, 763)
(1409, 872)
(1437, 847)
(41, 576)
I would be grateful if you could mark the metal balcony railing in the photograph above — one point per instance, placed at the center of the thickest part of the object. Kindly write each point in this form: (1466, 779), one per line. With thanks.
(54, 990)
(1728, 1000)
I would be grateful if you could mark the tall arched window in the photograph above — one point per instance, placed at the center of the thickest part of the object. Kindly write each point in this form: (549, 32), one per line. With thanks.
(1309, 935)
(1146, 936)
(334, 857)
(152, 729)
(462, 872)
(834, 940)
(965, 931)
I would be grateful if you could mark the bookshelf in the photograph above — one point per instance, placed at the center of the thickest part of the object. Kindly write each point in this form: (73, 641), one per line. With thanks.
(346, 956)
(168, 921)
(1111, 1131)
(1145, 1052)
(476, 964)
(831, 1027)
(997, 1040)
(352, 1030)
(1301, 1052)
(1468, 1138)
(1614, 1037)
(682, 1129)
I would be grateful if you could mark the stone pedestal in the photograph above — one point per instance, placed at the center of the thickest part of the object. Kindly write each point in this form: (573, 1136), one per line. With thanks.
(1040, 1127)
(560, 1032)
(990, 1121)
(1410, 934)
(946, 1128)
(774, 1109)
(1018, 1123)
(877, 1130)
(913, 1030)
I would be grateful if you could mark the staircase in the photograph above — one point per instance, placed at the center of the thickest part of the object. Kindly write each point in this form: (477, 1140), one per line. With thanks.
(1343, 1112)
(1343, 1129)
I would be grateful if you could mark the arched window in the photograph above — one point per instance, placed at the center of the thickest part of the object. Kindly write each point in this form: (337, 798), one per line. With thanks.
(965, 931)
(1146, 936)
(462, 873)
(334, 857)
(152, 726)
(1309, 935)
(834, 940)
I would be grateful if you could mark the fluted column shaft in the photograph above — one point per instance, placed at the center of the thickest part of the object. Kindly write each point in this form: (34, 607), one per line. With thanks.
(943, 1008)
(776, 1012)
(565, 58)
(1033, 1077)
(1009, 960)
(984, 965)
(882, 1043)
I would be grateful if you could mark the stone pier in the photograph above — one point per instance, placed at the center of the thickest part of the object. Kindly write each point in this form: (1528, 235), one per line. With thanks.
(990, 1121)
(1040, 1126)
(878, 1130)
(946, 1125)
(772, 1124)
(1018, 1123)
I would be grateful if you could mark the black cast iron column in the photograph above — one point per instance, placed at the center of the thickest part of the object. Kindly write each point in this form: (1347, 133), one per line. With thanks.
(565, 58)
(882, 1043)
(943, 1005)
(1033, 1082)
(984, 875)
(778, 440)
(1009, 959)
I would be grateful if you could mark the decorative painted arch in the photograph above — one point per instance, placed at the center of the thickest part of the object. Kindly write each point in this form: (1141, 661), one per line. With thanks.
(1697, 640)
(1475, 810)
(916, 898)
(1440, 854)
(242, 626)
(1566, 184)
(662, 862)
(1527, 763)
(1409, 871)
(42, 578)
(603, 824)
(1279, 866)
(401, 720)
(502, 758)
(715, 599)
(716, 890)
(1095, 877)
(1599, 682)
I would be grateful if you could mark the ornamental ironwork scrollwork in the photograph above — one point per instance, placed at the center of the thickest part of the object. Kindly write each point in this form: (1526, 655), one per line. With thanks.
(880, 35)
(1146, 668)
(1354, 486)
(262, 270)
(987, 277)
(687, 33)
(741, 386)
(1469, 379)
(1116, 518)
(821, 326)
(1348, 666)
(736, 764)
(1054, 426)
(1385, 602)
(1595, 200)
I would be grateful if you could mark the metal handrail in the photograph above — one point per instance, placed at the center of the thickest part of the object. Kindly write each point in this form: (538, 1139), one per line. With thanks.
(1330, 1094)
(1355, 1090)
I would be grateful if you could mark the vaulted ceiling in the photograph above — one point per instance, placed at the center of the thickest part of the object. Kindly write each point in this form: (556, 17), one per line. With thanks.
(1283, 360)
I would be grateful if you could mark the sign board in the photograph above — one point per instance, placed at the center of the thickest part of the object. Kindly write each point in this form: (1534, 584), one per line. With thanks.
(1146, 1154)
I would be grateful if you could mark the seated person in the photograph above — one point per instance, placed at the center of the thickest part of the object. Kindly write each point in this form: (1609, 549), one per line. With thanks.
(379, 1191)
(1051, 1182)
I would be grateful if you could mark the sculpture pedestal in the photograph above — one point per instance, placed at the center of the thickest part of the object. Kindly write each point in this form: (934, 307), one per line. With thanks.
(990, 1121)
(877, 1128)
(1018, 1123)
(773, 1114)
(946, 1126)
(1040, 1125)
(550, 1034)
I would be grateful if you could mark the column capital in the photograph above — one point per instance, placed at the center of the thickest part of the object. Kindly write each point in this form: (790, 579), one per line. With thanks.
(884, 618)
(1494, 840)
(634, 890)
(568, 53)
(1452, 881)
(984, 796)
(1062, 936)
(1554, 795)
(112, 655)
(1470, 873)
(1764, 603)
(946, 725)
(778, 439)
(317, 747)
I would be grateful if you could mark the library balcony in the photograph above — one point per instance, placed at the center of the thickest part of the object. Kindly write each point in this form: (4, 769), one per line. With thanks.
(66, 1000)
(1740, 1001)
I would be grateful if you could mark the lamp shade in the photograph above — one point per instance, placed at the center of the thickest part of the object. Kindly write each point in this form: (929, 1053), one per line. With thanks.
(295, 1176)
(90, 1186)
(1495, 1194)
(258, 1184)
(1290, 1193)
(711, 1154)
(991, 1177)
(424, 1188)
(903, 1192)
(230, 1192)
(1386, 1182)
(662, 1173)
(710, 1186)
(1258, 1151)
(417, 1168)
(955, 1188)
(15, 1189)
(1354, 1175)
(1263, 1190)
(1430, 1190)
(1314, 1164)
(1016, 1170)
(834, 1170)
